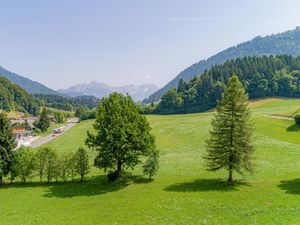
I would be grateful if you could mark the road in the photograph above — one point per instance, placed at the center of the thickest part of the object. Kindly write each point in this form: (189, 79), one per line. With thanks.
(50, 137)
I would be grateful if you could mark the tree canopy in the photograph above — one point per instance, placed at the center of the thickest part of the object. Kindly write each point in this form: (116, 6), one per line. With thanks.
(122, 136)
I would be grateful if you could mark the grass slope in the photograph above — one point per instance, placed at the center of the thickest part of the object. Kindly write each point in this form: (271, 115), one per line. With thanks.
(183, 192)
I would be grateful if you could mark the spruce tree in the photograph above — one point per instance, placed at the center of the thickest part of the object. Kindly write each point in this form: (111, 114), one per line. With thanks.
(229, 146)
(44, 121)
(7, 144)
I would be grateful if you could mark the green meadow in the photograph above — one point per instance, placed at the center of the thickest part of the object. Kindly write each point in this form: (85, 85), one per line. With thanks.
(182, 192)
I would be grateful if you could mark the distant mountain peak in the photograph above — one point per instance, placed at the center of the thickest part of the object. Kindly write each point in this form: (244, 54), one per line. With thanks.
(100, 89)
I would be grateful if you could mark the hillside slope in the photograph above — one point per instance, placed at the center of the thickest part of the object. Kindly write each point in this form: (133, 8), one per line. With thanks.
(27, 84)
(265, 76)
(287, 43)
(12, 97)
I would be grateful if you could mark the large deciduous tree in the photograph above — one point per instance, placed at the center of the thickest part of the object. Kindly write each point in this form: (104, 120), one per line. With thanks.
(7, 144)
(122, 135)
(229, 146)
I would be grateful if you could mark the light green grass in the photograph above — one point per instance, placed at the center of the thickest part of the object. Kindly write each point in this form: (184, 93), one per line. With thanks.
(183, 192)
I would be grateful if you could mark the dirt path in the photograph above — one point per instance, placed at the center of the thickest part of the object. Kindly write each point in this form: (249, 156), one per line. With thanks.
(282, 117)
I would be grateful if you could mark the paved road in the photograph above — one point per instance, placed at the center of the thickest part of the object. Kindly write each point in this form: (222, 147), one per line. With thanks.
(50, 137)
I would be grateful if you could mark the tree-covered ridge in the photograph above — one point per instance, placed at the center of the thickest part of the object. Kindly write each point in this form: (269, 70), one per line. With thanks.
(13, 97)
(66, 103)
(261, 77)
(29, 85)
(287, 43)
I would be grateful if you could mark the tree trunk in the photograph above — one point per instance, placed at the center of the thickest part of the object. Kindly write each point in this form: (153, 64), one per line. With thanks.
(1, 179)
(119, 168)
(230, 179)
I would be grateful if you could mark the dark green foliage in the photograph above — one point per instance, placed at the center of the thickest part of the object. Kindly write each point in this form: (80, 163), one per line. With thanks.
(7, 144)
(287, 43)
(81, 163)
(264, 76)
(12, 97)
(297, 119)
(229, 146)
(66, 103)
(170, 102)
(44, 122)
(122, 134)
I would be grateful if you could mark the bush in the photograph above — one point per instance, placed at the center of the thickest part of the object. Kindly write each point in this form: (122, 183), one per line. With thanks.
(297, 119)
(151, 166)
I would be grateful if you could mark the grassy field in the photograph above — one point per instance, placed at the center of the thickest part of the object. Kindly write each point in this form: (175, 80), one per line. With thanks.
(183, 192)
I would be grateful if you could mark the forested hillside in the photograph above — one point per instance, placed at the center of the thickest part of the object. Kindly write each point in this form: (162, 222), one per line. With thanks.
(66, 103)
(287, 43)
(27, 84)
(261, 76)
(13, 97)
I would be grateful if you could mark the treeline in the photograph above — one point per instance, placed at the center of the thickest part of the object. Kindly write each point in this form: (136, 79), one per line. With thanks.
(264, 76)
(66, 103)
(13, 97)
(48, 165)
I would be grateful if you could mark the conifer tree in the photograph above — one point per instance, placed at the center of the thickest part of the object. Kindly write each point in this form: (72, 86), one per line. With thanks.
(7, 144)
(44, 121)
(229, 146)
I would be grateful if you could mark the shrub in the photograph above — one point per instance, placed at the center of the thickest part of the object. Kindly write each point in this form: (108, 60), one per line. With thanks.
(151, 166)
(297, 119)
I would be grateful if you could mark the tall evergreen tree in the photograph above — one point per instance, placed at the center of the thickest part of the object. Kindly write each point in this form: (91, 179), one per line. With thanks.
(7, 144)
(229, 146)
(44, 121)
(122, 134)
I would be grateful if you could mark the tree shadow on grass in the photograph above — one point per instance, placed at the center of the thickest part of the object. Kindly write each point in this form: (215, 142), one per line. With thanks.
(96, 185)
(290, 186)
(204, 185)
(293, 128)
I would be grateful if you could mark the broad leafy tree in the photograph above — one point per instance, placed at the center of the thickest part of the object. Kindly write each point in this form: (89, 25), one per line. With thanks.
(24, 163)
(121, 134)
(81, 163)
(7, 144)
(229, 146)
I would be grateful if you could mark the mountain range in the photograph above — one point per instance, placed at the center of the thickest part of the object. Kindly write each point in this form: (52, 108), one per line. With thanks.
(32, 87)
(99, 90)
(287, 43)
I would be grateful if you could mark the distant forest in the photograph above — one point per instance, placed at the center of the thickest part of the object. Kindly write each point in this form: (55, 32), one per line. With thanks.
(13, 97)
(263, 76)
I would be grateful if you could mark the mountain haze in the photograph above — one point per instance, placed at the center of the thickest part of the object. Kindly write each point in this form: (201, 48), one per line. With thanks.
(32, 87)
(100, 90)
(287, 43)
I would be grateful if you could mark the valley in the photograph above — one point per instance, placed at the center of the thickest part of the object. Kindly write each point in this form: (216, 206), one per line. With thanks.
(183, 192)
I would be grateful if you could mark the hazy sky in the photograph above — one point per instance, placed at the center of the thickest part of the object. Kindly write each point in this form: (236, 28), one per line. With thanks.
(61, 43)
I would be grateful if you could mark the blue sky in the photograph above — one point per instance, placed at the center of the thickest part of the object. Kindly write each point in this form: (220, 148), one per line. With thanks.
(61, 43)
